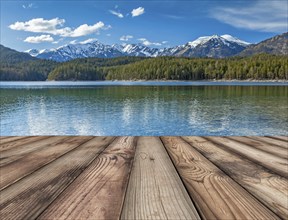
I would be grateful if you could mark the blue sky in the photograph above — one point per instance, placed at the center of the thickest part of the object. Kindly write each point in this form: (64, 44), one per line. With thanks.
(50, 24)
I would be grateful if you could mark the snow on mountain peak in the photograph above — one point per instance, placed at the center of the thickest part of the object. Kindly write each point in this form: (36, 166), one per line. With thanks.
(224, 38)
(32, 52)
(94, 48)
(234, 39)
(200, 40)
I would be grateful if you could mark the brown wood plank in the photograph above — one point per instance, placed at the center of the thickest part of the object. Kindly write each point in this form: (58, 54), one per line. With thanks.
(269, 188)
(281, 138)
(30, 196)
(276, 164)
(155, 190)
(52, 148)
(4, 147)
(273, 141)
(269, 148)
(215, 194)
(20, 151)
(98, 193)
(6, 139)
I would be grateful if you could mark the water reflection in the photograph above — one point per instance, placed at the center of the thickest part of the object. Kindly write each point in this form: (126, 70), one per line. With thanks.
(145, 110)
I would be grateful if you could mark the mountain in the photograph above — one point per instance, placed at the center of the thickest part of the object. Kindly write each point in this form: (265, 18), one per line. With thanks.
(276, 45)
(16, 66)
(74, 51)
(212, 46)
(208, 46)
(138, 50)
(11, 56)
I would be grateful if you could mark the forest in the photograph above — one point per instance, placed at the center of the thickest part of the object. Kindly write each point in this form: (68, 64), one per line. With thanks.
(260, 67)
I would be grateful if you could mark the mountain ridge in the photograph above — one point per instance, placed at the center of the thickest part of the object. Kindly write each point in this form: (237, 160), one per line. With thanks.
(214, 46)
(277, 45)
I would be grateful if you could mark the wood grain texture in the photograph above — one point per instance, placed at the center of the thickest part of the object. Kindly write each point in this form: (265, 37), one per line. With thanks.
(155, 190)
(52, 148)
(8, 156)
(98, 193)
(269, 148)
(274, 141)
(30, 196)
(269, 188)
(215, 194)
(278, 165)
(4, 140)
(281, 138)
(10, 145)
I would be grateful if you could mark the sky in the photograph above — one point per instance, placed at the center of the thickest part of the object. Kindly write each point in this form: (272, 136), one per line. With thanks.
(51, 24)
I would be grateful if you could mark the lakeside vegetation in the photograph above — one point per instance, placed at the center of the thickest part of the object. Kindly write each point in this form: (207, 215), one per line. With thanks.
(259, 67)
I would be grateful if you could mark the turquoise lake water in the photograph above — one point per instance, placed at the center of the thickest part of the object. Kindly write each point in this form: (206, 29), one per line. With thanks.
(143, 108)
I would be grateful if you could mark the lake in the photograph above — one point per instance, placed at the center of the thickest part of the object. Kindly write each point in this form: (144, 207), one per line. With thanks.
(143, 108)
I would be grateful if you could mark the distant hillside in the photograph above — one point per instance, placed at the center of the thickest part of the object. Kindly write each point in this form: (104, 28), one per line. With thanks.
(88, 68)
(11, 56)
(261, 66)
(276, 45)
(15, 66)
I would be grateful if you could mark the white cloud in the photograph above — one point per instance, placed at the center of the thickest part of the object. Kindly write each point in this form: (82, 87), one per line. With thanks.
(164, 42)
(148, 43)
(174, 17)
(126, 37)
(85, 29)
(31, 5)
(137, 11)
(266, 16)
(118, 14)
(90, 40)
(39, 39)
(55, 27)
(38, 25)
(108, 35)
(73, 42)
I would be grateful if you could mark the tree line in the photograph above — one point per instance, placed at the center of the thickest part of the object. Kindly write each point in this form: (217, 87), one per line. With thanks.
(261, 66)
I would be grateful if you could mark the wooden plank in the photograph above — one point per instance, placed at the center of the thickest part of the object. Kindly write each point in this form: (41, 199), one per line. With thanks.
(269, 188)
(155, 190)
(215, 194)
(4, 147)
(51, 149)
(98, 193)
(30, 196)
(273, 141)
(276, 164)
(281, 138)
(7, 139)
(20, 151)
(269, 148)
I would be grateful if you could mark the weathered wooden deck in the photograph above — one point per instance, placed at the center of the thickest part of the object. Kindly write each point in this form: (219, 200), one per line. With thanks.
(61, 177)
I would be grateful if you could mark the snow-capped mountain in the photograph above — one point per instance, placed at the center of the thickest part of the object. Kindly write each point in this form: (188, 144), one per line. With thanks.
(212, 46)
(73, 51)
(207, 46)
(33, 52)
(139, 50)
